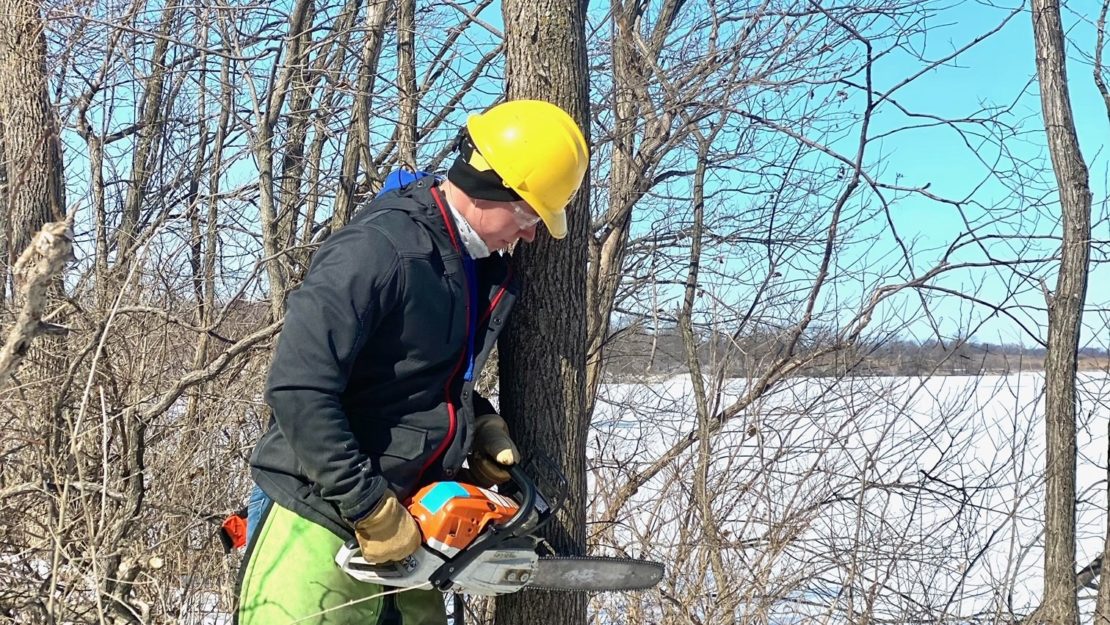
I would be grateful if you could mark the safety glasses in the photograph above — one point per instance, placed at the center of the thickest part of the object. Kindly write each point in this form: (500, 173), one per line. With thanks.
(524, 215)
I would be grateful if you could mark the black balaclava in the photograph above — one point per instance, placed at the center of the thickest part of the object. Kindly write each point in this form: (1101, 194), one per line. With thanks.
(479, 182)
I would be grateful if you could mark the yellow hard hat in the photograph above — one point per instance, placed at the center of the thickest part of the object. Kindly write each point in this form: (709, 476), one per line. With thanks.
(538, 151)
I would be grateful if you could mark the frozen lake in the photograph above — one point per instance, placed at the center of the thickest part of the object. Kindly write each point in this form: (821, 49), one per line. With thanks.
(903, 499)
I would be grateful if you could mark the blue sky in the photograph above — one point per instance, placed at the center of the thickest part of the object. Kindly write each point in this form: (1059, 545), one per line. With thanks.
(1008, 194)
(995, 73)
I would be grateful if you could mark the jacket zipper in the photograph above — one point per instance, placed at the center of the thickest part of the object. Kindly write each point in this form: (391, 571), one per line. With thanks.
(452, 413)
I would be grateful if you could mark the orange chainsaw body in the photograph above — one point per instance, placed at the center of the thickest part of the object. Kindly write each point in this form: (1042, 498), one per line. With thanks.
(451, 515)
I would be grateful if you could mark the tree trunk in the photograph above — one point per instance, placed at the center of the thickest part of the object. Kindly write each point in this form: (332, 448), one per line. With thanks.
(32, 154)
(327, 64)
(543, 353)
(1065, 311)
(35, 192)
(144, 160)
(274, 234)
(406, 83)
(641, 130)
(291, 198)
(1102, 603)
(356, 151)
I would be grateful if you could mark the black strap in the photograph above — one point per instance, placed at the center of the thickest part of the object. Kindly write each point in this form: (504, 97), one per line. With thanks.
(390, 614)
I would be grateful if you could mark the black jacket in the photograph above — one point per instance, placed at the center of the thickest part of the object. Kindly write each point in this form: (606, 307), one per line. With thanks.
(366, 387)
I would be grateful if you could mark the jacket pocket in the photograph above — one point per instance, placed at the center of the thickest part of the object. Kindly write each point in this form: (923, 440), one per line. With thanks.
(406, 443)
(403, 459)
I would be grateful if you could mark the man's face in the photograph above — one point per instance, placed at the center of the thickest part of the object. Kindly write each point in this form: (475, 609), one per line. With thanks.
(502, 224)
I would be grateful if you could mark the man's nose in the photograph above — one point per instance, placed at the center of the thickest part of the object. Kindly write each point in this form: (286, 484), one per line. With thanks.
(529, 233)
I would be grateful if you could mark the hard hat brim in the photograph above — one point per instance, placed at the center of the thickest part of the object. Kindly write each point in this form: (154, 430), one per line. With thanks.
(555, 221)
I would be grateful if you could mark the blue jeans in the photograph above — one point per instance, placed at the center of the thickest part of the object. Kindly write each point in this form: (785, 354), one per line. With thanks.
(255, 505)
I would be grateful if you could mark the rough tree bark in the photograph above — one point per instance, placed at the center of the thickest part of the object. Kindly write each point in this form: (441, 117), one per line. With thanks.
(1102, 604)
(33, 165)
(543, 353)
(406, 83)
(32, 154)
(356, 151)
(1065, 310)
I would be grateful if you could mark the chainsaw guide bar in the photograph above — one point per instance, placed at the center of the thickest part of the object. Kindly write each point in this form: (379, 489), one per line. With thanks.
(594, 574)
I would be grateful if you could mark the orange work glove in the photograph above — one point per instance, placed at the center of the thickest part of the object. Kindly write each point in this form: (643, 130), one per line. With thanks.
(389, 533)
(493, 451)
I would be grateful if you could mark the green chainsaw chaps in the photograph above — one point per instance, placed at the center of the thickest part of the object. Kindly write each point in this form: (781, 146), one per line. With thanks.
(290, 577)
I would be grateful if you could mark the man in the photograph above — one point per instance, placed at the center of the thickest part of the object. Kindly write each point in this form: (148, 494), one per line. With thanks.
(372, 383)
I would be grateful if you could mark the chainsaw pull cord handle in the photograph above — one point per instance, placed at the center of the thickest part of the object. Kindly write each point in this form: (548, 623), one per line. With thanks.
(442, 578)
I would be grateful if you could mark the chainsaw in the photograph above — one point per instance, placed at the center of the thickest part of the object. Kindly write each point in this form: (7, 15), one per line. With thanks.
(480, 542)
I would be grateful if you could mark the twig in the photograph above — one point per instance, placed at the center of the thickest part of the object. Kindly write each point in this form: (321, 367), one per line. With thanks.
(35, 270)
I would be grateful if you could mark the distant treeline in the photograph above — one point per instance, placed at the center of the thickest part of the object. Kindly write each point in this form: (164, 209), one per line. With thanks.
(632, 353)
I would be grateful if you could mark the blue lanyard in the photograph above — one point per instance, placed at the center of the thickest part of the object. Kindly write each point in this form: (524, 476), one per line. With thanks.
(471, 272)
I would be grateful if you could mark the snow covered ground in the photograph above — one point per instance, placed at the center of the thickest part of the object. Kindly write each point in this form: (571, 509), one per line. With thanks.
(904, 498)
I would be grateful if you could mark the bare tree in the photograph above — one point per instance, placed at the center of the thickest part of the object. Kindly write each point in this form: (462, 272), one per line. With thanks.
(1102, 607)
(148, 128)
(640, 133)
(194, 122)
(1065, 314)
(740, 279)
(542, 355)
(33, 192)
(275, 222)
(357, 139)
(406, 83)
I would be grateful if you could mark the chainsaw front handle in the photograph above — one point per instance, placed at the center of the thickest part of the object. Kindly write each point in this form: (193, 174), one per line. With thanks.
(527, 504)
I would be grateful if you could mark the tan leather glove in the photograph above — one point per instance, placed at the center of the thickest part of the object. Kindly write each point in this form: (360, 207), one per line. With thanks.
(492, 452)
(389, 533)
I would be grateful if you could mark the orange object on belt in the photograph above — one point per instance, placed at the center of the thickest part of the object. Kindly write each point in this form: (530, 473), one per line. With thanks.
(233, 532)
